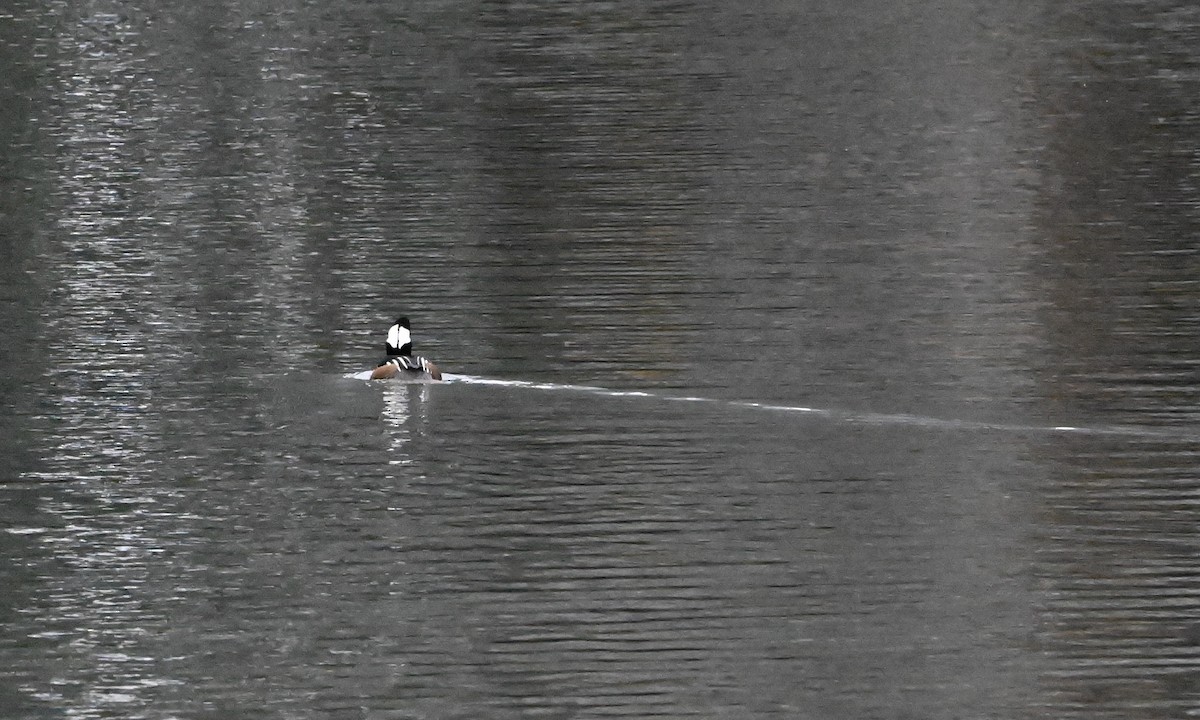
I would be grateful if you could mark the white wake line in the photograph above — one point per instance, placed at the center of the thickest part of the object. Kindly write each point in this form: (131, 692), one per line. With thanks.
(863, 418)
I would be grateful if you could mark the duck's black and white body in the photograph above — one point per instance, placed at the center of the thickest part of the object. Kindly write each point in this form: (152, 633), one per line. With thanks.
(406, 368)
(399, 361)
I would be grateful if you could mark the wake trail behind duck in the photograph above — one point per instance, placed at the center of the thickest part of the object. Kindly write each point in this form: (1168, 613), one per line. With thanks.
(860, 418)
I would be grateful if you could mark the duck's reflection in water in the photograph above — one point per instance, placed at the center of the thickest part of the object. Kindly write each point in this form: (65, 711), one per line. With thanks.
(404, 408)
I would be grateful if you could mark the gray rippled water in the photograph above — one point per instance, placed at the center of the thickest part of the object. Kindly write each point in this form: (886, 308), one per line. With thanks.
(805, 361)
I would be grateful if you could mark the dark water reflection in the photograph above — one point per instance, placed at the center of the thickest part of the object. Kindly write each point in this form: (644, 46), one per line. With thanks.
(851, 272)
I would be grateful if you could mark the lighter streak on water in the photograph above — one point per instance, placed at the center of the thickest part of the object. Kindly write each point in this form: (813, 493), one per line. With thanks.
(862, 418)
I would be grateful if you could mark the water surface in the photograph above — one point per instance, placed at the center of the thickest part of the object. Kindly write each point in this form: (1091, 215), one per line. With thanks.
(812, 361)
